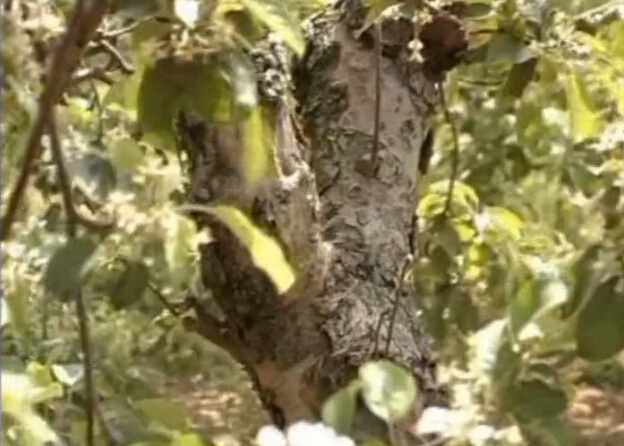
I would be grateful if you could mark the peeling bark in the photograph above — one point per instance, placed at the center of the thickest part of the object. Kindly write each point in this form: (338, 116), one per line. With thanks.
(346, 233)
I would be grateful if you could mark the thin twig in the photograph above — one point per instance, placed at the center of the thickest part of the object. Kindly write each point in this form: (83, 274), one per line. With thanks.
(83, 319)
(397, 299)
(74, 217)
(126, 67)
(154, 289)
(455, 154)
(377, 117)
(84, 21)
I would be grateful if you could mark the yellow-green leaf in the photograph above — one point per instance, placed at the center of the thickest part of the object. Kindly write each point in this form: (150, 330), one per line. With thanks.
(584, 120)
(265, 252)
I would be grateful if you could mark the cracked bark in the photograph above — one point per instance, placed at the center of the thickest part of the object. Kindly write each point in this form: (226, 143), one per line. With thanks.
(347, 234)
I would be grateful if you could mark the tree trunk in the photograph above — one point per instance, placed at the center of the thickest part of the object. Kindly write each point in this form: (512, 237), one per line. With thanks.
(347, 232)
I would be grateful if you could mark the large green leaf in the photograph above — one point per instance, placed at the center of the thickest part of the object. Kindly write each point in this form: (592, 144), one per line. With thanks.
(584, 120)
(535, 298)
(536, 398)
(265, 252)
(131, 285)
(64, 272)
(277, 17)
(339, 409)
(600, 330)
(388, 390)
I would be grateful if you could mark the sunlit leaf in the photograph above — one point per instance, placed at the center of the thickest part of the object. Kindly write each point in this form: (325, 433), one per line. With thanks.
(388, 390)
(5, 317)
(277, 17)
(437, 421)
(244, 80)
(19, 395)
(585, 122)
(68, 374)
(187, 11)
(257, 149)
(64, 272)
(599, 331)
(265, 252)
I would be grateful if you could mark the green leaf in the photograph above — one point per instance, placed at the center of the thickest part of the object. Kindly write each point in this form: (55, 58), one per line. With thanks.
(65, 268)
(388, 390)
(339, 409)
(130, 286)
(181, 237)
(126, 154)
(548, 432)
(277, 17)
(159, 99)
(503, 48)
(520, 77)
(506, 220)
(265, 252)
(535, 298)
(584, 119)
(586, 279)
(68, 374)
(19, 395)
(244, 80)
(463, 312)
(257, 148)
(600, 331)
(168, 413)
(535, 398)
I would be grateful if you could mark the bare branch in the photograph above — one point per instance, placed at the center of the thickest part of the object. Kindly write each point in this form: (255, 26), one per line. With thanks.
(85, 19)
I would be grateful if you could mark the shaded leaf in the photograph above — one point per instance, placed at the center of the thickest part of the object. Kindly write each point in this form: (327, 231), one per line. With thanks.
(388, 390)
(130, 286)
(535, 298)
(550, 431)
(533, 399)
(168, 413)
(586, 279)
(600, 331)
(265, 252)
(503, 48)
(520, 77)
(64, 271)
(339, 409)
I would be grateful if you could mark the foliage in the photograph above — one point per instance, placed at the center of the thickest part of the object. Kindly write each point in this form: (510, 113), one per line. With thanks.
(519, 279)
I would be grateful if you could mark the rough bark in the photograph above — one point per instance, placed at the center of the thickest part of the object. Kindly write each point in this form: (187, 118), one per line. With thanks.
(347, 233)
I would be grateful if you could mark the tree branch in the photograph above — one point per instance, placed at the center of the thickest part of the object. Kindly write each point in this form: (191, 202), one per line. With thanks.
(85, 19)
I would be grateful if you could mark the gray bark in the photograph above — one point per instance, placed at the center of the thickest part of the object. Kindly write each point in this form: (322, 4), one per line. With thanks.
(347, 233)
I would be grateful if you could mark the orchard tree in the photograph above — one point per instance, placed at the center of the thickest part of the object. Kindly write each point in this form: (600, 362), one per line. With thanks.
(264, 160)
